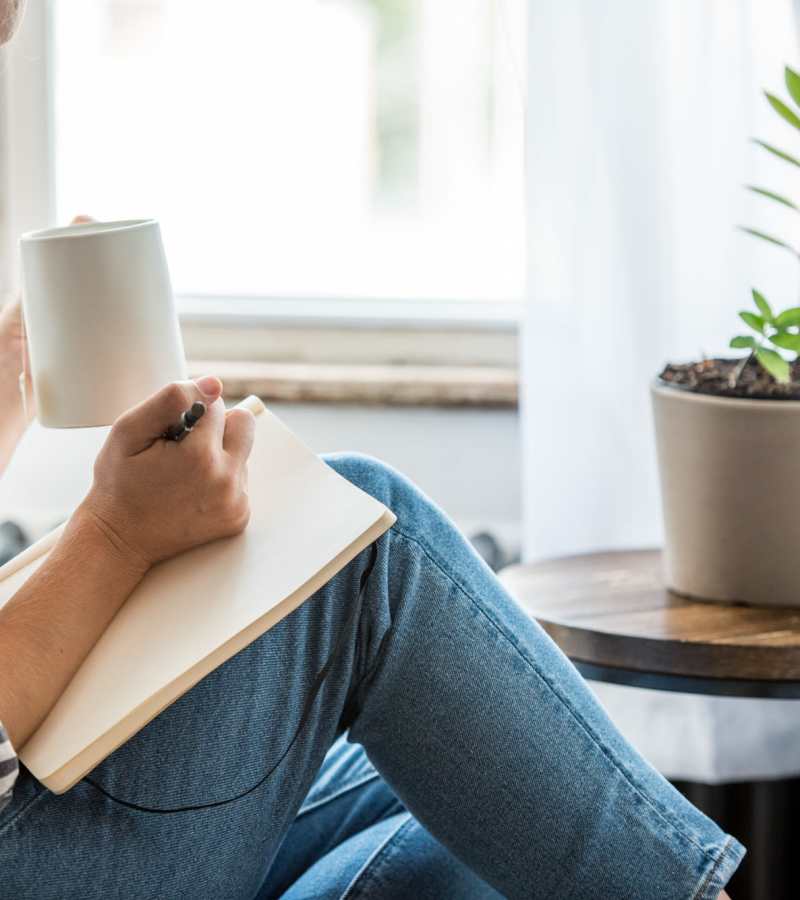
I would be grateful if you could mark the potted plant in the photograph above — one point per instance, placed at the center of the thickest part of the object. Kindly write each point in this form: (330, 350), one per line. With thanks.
(728, 443)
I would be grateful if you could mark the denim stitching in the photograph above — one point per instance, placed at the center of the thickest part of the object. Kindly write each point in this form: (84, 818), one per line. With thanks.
(585, 725)
(350, 787)
(374, 856)
(700, 893)
(24, 809)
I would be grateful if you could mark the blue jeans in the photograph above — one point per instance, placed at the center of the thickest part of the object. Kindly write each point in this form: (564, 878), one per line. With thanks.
(499, 773)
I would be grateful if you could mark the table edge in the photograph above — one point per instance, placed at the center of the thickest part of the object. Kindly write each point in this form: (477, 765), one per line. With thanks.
(689, 684)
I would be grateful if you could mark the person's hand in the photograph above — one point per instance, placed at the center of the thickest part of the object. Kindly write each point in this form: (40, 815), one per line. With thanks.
(153, 498)
(13, 360)
(12, 349)
(13, 420)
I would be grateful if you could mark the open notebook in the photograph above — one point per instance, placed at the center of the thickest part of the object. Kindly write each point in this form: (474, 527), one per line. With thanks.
(193, 612)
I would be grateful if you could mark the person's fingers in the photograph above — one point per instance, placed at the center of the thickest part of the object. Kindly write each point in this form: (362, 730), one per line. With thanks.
(137, 428)
(11, 310)
(81, 220)
(240, 430)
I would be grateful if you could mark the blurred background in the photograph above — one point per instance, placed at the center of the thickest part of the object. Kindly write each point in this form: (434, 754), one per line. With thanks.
(346, 148)
(340, 186)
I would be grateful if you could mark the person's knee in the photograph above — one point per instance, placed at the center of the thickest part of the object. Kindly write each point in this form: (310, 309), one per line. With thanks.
(417, 515)
(376, 478)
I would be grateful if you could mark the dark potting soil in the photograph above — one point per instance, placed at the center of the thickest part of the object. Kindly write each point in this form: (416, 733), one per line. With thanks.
(732, 378)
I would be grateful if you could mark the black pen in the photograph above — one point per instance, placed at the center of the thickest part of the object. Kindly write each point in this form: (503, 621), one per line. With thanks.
(188, 420)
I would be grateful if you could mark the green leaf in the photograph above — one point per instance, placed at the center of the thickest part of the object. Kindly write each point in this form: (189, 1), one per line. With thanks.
(783, 110)
(788, 318)
(767, 237)
(786, 341)
(776, 152)
(754, 321)
(763, 307)
(741, 341)
(792, 80)
(775, 364)
(772, 196)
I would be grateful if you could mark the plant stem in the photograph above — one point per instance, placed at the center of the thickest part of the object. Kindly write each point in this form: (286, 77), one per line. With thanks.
(733, 379)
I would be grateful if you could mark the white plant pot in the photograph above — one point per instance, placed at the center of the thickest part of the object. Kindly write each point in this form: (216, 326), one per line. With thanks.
(730, 487)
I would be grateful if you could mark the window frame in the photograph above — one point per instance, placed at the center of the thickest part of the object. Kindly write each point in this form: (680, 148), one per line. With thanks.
(386, 332)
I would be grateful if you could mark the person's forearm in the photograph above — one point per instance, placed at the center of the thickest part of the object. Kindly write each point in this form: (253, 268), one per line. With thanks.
(49, 626)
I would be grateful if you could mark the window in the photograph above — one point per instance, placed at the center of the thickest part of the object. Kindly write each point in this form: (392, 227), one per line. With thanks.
(350, 149)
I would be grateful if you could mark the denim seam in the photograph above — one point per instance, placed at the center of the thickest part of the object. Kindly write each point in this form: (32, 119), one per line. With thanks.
(701, 890)
(350, 787)
(372, 858)
(24, 809)
(585, 725)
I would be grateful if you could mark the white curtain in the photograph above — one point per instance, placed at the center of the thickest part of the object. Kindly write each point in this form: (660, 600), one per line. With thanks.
(639, 114)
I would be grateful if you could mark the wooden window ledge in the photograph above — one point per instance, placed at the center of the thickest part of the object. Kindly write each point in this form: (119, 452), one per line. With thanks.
(377, 385)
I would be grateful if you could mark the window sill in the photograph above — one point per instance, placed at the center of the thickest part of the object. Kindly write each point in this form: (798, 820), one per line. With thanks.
(351, 332)
(358, 313)
(376, 385)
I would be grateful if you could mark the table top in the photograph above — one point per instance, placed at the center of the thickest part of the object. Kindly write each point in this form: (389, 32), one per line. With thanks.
(611, 614)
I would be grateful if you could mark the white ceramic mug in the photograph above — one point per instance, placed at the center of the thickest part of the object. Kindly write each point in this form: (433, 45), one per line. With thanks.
(102, 328)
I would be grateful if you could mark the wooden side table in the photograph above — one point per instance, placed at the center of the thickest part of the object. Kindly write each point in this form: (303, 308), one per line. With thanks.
(610, 613)
(612, 616)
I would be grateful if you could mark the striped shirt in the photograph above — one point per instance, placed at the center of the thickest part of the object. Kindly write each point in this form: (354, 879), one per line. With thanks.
(8, 768)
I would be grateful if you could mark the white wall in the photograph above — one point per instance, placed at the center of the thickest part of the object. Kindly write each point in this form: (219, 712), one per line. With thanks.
(466, 460)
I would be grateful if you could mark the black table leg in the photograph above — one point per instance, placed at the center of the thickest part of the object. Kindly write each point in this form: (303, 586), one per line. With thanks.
(763, 816)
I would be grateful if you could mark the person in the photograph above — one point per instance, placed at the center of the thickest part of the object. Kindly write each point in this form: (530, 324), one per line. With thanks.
(450, 751)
